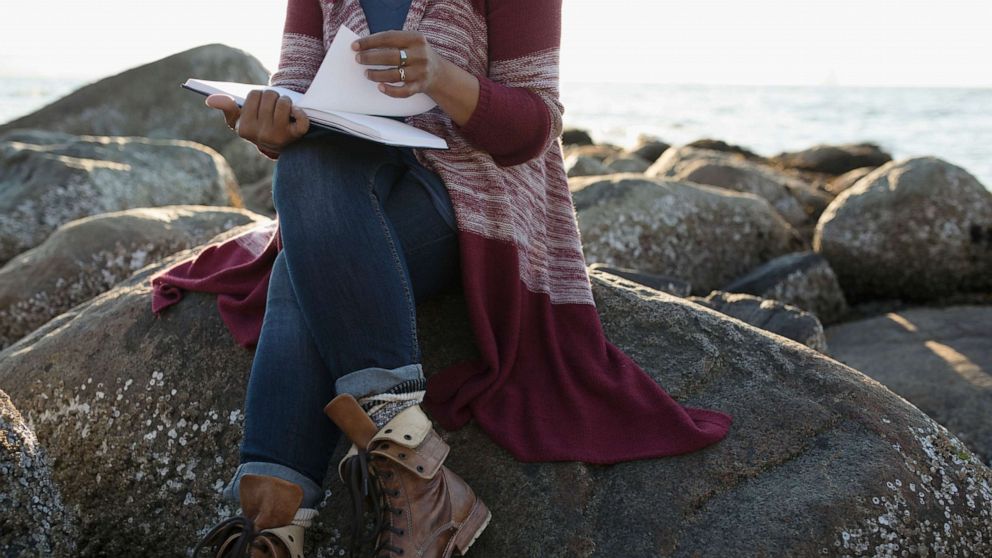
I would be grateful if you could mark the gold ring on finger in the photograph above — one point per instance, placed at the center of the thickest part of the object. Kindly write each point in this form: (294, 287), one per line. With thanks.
(402, 57)
(402, 74)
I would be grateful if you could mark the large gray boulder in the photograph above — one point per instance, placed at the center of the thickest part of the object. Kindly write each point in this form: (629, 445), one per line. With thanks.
(734, 172)
(583, 165)
(87, 256)
(821, 460)
(802, 279)
(834, 159)
(257, 197)
(939, 359)
(701, 234)
(848, 179)
(916, 229)
(648, 148)
(33, 519)
(599, 151)
(670, 285)
(770, 315)
(50, 178)
(722, 146)
(627, 163)
(575, 136)
(248, 163)
(148, 101)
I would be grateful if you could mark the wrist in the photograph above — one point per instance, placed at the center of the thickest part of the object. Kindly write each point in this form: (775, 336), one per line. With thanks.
(436, 85)
(270, 153)
(455, 90)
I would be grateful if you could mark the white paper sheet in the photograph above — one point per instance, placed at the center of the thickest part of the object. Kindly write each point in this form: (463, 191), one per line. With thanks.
(340, 84)
(376, 128)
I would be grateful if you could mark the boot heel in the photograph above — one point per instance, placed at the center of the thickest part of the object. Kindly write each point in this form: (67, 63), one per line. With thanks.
(473, 526)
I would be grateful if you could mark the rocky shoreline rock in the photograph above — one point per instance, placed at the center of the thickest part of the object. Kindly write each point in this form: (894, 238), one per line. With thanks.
(937, 358)
(836, 302)
(702, 234)
(85, 257)
(50, 178)
(35, 521)
(102, 108)
(151, 408)
(915, 229)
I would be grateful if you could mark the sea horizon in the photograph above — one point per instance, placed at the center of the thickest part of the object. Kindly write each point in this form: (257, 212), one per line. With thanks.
(953, 123)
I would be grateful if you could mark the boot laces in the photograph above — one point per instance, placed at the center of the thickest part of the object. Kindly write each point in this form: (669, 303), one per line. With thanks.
(241, 548)
(361, 486)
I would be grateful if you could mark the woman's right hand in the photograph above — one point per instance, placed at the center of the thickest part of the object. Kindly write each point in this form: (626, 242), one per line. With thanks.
(264, 118)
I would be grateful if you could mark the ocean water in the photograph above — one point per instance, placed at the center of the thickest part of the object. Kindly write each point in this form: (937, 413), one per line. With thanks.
(954, 124)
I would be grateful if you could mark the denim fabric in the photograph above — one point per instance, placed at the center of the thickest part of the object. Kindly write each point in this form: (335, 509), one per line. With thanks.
(363, 244)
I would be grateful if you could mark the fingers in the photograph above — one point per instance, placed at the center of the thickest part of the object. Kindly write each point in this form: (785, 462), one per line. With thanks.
(257, 113)
(404, 90)
(280, 119)
(247, 126)
(392, 75)
(265, 119)
(266, 109)
(389, 39)
(282, 108)
(390, 56)
(383, 49)
(413, 82)
(227, 105)
(302, 124)
(221, 101)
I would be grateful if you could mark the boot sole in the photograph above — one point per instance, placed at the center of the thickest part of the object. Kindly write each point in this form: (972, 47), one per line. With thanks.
(476, 523)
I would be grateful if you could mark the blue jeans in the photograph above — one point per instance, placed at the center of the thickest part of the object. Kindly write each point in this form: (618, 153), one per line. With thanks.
(363, 244)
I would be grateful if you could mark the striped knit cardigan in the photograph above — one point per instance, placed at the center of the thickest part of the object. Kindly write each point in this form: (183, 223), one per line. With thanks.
(548, 385)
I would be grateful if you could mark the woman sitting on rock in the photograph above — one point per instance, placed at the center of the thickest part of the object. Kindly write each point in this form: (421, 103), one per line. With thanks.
(365, 233)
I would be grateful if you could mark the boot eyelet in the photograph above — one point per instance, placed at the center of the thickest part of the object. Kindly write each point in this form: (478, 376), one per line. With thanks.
(420, 468)
(407, 436)
(388, 430)
(402, 456)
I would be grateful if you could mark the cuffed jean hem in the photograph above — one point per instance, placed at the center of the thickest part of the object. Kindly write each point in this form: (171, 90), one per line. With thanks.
(369, 381)
(312, 492)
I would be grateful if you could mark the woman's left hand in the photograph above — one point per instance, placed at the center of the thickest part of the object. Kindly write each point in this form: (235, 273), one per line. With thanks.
(423, 68)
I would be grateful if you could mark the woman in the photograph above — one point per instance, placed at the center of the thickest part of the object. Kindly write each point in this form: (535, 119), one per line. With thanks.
(329, 295)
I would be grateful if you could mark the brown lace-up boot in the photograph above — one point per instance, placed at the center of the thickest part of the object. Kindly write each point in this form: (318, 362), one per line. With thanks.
(266, 527)
(422, 508)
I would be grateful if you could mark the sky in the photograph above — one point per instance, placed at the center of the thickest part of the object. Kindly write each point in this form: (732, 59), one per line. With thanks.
(761, 42)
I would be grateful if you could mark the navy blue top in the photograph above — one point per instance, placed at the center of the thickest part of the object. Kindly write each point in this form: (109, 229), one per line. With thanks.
(383, 15)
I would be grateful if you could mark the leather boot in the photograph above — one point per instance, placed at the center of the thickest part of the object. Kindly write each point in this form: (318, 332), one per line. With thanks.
(422, 508)
(265, 529)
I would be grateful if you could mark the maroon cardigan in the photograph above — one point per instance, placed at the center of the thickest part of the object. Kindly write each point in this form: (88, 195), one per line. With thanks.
(548, 385)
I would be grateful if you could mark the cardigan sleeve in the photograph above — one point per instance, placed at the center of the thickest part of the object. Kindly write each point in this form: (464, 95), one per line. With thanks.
(302, 47)
(519, 114)
(302, 50)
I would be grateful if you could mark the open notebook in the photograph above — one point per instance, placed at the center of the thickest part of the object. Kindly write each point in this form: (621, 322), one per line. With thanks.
(341, 98)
